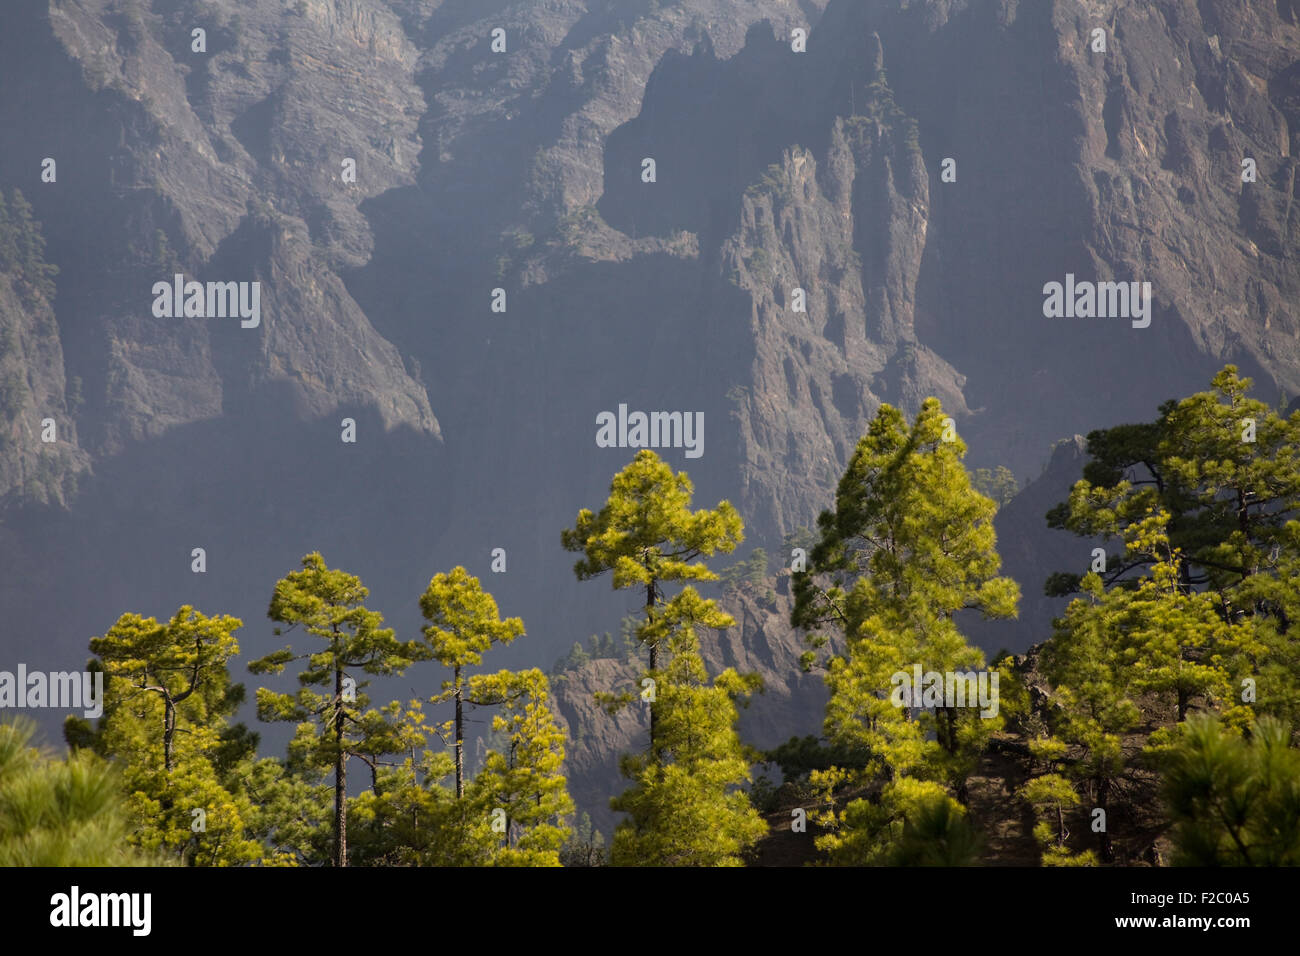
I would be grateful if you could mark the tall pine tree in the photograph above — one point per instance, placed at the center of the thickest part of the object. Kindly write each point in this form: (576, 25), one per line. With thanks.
(908, 544)
(327, 605)
(685, 806)
(649, 539)
(464, 622)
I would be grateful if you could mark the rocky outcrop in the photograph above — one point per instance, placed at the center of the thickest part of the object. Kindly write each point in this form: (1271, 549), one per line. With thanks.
(34, 402)
(229, 162)
(832, 328)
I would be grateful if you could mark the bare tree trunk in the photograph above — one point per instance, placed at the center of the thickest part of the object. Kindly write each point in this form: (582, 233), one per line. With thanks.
(340, 777)
(460, 739)
(654, 665)
(1103, 801)
(169, 730)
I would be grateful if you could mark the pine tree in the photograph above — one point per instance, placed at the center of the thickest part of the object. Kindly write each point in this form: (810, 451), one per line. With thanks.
(647, 536)
(60, 812)
(175, 661)
(292, 817)
(464, 622)
(585, 846)
(932, 830)
(29, 248)
(997, 484)
(327, 604)
(1271, 665)
(908, 544)
(409, 816)
(1052, 797)
(525, 779)
(1114, 649)
(1232, 801)
(1094, 694)
(685, 806)
(1224, 467)
(168, 695)
(1197, 609)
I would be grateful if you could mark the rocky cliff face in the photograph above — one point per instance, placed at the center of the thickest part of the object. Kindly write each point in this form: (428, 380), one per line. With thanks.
(34, 394)
(833, 328)
(219, 165)
(522, 171)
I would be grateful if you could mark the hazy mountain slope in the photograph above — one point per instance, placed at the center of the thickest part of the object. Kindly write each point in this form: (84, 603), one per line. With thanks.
(521, 171)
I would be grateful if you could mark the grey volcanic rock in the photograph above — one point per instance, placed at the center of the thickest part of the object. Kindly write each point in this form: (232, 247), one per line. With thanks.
(819, 375)
(33, 388)
(1124, 164)
(236, 150)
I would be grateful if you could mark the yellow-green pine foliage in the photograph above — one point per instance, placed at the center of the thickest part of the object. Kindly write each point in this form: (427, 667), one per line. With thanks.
(686, 806)
(1053, 798)
(1273, 660)
(413, 818)
(998, 484)
(409, 817)
(908, 544)
(167, 698)
(1113, 650)
(648, 538)
(327, 605)
(60, 812)
(1233, 801)
(1194, 614)
(911, 823)
(464, 623)
(292, 815)
(525, 779)
(1225, 468)
(647, 534)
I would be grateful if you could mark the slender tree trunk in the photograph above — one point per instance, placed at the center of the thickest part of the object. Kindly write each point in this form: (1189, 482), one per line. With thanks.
(340, 777)
(1243, 525)
(169, 730)
(460, 739)
(654, 665)
(1103, 801)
